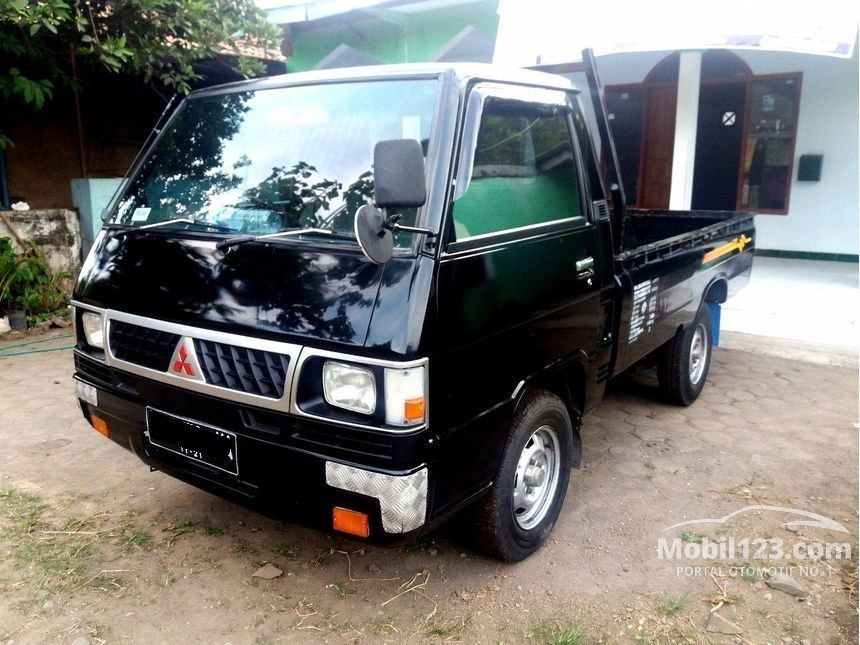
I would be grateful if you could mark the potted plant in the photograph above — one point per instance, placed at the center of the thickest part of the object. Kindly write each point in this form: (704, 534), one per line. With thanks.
(28, 285)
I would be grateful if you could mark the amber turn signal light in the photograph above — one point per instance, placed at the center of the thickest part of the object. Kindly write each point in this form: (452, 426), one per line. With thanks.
(413, 409)
(100, 425)
(351, 522)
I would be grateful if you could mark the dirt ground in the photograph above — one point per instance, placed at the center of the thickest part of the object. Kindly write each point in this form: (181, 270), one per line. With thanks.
(94, 548)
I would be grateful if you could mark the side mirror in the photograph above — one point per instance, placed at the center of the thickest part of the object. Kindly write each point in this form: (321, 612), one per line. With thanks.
(398, 177)
(398, 174)
(374, 234)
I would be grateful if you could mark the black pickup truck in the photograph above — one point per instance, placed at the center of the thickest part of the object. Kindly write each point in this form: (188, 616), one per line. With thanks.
(370, 299)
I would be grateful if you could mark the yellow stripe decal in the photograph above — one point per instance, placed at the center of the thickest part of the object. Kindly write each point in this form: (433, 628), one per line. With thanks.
(739, 243)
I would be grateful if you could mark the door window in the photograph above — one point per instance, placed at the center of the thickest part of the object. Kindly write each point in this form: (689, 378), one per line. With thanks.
(523, 171)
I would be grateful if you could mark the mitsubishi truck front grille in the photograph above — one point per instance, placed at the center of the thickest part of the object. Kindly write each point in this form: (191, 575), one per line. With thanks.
(142, 346)
(252, 371)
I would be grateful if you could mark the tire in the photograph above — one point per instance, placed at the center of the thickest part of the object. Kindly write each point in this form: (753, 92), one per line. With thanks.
(541, 435)
(685, 360)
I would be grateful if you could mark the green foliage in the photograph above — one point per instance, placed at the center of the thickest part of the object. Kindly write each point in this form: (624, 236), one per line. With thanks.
(566, 632)
(157, 39)
(27, 282)
(669, 605)
(32, 92)
(692, 537)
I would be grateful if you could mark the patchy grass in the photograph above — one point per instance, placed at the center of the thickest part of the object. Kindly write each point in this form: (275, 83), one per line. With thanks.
(74, 524)
(749, 574)
(137, 540)
(242, 547)
(178, 530)
(448, 630)
(383, 627)
(342, 589)
(52, 565)
(669, 604)
(792, 625)
(565, 632)
(167, 577)
(692, 536)
(211, 530)
(22, 509)
(323, 559)
(52, 561)
(287, 550)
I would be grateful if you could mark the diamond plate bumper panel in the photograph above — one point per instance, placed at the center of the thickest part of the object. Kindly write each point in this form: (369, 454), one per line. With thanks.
(403, 500)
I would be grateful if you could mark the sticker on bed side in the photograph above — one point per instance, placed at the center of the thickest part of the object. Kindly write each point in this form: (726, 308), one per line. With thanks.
(644, 312)
(140, 214)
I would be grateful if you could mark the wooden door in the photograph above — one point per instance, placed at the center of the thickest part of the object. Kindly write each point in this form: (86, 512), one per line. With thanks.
(657, 147)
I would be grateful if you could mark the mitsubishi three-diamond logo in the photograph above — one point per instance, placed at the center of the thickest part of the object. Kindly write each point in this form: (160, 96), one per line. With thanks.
(184, 361)
(182, 366)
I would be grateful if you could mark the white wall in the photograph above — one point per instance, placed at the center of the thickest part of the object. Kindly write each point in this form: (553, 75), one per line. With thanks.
(823, 216)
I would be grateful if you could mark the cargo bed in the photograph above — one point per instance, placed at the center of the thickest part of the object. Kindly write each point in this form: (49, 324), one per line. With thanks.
(654, 234)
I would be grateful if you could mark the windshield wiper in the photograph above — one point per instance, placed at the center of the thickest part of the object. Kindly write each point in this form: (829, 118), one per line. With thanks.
(242, 239)
(179, 220)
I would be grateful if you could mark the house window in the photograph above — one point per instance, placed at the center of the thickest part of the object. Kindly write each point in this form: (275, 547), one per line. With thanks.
(769, 143)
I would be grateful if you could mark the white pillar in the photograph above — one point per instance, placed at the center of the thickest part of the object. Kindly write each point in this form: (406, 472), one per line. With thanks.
(686, 122)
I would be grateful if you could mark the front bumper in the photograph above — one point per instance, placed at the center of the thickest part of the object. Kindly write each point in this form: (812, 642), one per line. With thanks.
(296, 469)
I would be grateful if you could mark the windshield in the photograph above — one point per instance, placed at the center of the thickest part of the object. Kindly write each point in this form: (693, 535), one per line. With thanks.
(276, 159)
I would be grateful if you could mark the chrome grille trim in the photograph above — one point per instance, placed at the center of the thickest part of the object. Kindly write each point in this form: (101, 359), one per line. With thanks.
(281, 404)
(298, 354)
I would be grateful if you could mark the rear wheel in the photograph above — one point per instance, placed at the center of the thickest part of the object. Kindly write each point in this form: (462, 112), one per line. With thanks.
(519, 512)
(685, 360)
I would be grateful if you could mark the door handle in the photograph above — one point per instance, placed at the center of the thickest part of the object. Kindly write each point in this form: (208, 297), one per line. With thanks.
(585, 268)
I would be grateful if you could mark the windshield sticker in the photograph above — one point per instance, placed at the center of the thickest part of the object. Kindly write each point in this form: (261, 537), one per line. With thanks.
(140, 214)
(644, 308)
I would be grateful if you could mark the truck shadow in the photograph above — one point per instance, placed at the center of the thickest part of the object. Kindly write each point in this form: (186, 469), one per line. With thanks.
(637, 381)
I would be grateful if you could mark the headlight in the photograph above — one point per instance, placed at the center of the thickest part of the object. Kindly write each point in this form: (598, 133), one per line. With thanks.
(404, 396)
(349, 387)
(93, 326)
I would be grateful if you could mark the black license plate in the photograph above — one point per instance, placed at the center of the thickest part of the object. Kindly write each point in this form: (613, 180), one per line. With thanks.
(194, 440)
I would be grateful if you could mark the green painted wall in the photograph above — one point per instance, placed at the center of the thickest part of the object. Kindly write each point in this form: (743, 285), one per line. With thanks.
(413, 38)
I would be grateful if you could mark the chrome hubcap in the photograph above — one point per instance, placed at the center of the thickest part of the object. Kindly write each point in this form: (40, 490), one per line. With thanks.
(698, 354)
(536, 477)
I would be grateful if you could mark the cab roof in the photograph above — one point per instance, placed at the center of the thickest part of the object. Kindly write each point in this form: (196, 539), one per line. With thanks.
(458, 72)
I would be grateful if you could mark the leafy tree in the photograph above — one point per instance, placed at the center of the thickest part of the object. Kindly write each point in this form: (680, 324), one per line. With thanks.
(158, 39)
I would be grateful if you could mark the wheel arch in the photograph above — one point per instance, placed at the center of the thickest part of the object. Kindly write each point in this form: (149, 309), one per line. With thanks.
(568, 384)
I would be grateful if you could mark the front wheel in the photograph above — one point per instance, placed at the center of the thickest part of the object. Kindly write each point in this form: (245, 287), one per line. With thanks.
(685, 360)
(518, 514)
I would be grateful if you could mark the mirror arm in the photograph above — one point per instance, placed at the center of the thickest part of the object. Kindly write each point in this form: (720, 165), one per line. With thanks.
(392, 225)
(413, 229)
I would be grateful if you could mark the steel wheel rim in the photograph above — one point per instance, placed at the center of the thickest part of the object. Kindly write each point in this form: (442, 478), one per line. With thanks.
(698, 354)
(536, 477)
